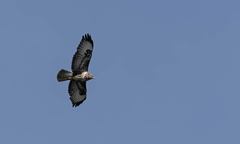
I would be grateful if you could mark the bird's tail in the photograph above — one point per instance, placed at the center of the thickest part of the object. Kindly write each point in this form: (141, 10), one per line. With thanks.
(64, 75)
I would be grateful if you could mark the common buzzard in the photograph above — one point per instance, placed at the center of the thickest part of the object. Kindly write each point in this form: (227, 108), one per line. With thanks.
(79, 75)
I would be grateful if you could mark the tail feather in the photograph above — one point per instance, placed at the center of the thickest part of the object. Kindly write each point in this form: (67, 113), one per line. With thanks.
(64, 75)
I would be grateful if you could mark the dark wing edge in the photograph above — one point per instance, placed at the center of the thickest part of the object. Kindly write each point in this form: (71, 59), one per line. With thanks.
(82, 57)
(88, 38)
(77, 91)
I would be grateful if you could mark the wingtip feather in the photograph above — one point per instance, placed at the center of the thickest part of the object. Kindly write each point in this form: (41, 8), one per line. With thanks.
(88, 38)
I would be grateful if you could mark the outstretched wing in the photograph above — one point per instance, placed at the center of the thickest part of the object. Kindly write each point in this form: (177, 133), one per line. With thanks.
(83, 55)
(77, 91)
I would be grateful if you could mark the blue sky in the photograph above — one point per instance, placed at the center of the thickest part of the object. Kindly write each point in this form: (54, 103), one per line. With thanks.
(166, 72)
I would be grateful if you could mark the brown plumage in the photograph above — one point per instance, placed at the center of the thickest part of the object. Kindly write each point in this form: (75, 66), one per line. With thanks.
(79, 75)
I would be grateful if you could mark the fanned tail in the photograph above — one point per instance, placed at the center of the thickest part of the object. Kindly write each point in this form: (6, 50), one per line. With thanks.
(64, 75)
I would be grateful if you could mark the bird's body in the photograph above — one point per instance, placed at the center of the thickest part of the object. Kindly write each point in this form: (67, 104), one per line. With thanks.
(79, 75)
(84, 76)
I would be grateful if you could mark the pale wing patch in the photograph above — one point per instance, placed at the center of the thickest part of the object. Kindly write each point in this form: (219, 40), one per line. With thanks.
(77, 92)
(83, 54)
(84, 46)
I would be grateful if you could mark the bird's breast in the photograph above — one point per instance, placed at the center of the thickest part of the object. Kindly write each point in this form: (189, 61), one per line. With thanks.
(81, 77)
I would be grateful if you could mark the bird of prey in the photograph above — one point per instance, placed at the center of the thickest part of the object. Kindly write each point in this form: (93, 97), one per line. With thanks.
(77, 87)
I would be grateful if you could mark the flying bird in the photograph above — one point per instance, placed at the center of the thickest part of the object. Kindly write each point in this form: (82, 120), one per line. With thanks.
(79, 76)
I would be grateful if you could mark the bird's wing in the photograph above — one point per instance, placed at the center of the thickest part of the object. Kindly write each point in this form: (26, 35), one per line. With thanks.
(83, 55)
(77, 91)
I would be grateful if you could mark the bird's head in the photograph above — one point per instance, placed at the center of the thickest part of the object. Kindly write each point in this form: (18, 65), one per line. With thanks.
(89, 76)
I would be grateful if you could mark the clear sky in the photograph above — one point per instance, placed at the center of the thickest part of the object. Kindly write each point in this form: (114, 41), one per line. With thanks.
(167, 72)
